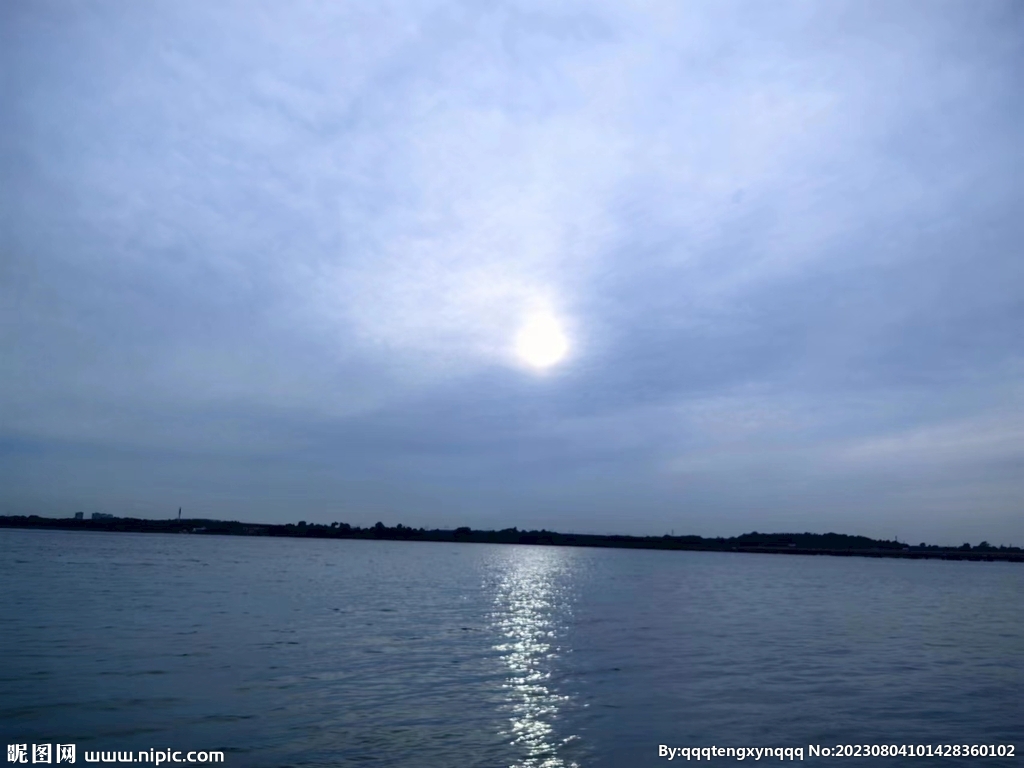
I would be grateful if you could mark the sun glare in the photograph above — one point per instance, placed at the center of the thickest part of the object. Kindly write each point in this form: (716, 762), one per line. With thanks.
(541, 342)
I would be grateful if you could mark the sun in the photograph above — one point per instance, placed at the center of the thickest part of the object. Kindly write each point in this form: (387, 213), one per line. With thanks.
(541, 342)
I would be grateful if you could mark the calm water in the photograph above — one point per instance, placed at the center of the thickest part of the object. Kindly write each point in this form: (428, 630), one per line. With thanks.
(334, 653)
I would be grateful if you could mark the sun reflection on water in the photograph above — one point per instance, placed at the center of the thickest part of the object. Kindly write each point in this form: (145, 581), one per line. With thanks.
(531, 598)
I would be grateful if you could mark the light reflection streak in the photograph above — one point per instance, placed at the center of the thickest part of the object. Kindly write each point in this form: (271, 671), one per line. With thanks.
(530, 597)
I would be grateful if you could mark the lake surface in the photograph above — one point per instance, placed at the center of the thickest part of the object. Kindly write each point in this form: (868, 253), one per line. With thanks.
(334, 653)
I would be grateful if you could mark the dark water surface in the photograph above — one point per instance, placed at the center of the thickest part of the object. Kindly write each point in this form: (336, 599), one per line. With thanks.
(334, 653)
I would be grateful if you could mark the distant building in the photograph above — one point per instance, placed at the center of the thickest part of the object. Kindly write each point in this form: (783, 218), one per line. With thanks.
(79, 515)
(101, 516)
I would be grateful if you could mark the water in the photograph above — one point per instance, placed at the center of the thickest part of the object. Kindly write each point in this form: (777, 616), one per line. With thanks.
(334, 653)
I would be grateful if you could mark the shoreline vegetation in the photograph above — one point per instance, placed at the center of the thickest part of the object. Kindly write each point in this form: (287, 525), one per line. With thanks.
(835, 544)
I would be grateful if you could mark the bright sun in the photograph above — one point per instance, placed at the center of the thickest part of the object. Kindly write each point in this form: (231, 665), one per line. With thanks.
(541, 342)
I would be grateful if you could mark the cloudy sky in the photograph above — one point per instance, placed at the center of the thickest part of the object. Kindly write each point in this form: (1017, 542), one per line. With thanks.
(607, 267)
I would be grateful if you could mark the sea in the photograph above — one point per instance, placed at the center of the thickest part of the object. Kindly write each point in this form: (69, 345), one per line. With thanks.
(306, 652)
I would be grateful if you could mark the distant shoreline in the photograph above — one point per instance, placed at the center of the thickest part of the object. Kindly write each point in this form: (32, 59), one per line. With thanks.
(834, 544)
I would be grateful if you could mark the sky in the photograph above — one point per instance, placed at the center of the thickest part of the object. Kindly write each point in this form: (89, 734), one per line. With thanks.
(607, 267)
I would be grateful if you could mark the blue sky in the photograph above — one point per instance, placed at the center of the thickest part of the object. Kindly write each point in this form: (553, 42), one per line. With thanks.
(272, 261)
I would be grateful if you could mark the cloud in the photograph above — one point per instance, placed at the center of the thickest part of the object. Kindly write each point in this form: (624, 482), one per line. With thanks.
(782, 243)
